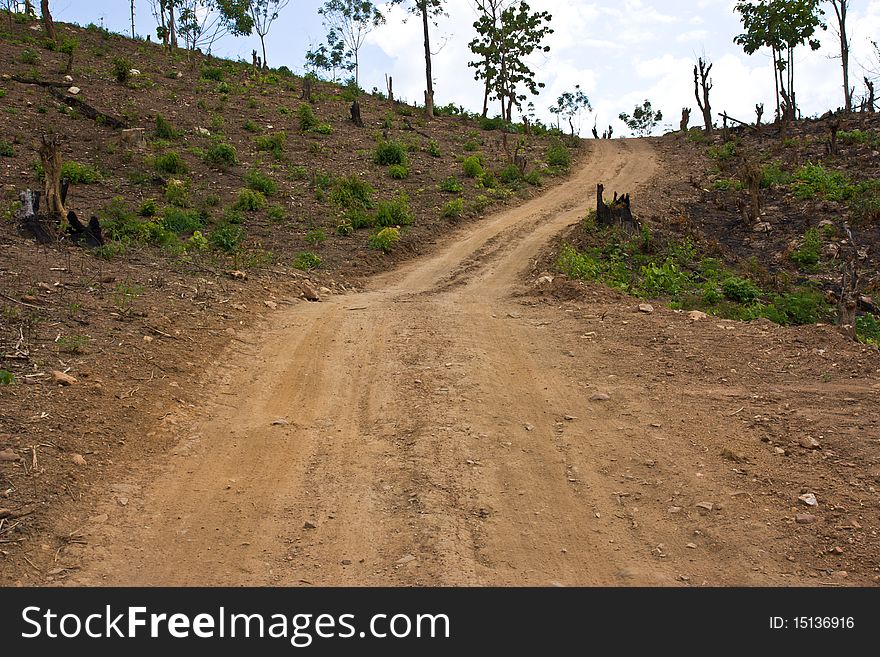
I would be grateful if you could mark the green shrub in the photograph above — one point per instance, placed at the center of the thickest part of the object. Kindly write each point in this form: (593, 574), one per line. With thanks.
(865, 204)
(452, 185)
(121, 69)
(453, 209)
(813, 180)
(857, 137)
(868, 329)
(164, 129)
(212, 73)
(7, 378)
(221, 155)
(395, 212)
(233, 215)
(316, 236)
(170, 163)
(359, 219)
(352, 193)
(307, 119)
(385, 239)
(227, 237)
(250, 126)
(433, 148)
(148, 208)
(390, 152)
(807, 255)
(664, 279)
(323, 129)
(398, 172)
(272, 143)
(276, 213)
(472, 166)
(578, 265)
(306, 261)
(510, 175)
(181, 221)
(488, 180)
(224, 88)
(773, 175)
(177, 193)
(196, 242)
(558, 155)
(470, 146)
(726, 184)
(260, 182)
(6, 149)
(29, 56)
(726, 151)
(740, 290)
(250, 200)
(79, 174)
(344, 228)
(534, 178)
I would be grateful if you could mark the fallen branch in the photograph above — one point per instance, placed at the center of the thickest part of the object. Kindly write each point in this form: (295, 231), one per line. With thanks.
(95, 114)
(20, 303)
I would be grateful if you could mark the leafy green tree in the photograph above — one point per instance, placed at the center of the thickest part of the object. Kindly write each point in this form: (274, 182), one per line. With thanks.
(351, 21)
(489, 12)
(643, 120)
(262, 14)
(504, 43)
(329, 58)
(428, 11)
(202, 22)
(571, 105)
(780, 25)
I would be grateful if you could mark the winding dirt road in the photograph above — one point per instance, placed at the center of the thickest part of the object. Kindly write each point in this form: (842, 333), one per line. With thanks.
(430, 431)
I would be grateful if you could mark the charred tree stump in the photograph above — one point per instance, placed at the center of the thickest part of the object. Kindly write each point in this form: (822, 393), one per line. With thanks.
(750, 174)
(870, 99)
(88, 234)
(616, 213)
(28, 219)
(685, 119)
(389, 83)
(759, 112)
(50, 157)
(356, 114)
(702, 83)
(307, 90)
(832, 145)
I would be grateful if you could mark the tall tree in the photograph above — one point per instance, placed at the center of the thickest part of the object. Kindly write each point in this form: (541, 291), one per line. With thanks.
(840, 11)
(643, 120)
(428, 11)
(571, 105)
(780, 25)
(202, 22)
(329, 58)
(702, 83)
(132, 19)
(352, 21)
(263, 13)
(504, 48)
(489, 12)
(48, 23)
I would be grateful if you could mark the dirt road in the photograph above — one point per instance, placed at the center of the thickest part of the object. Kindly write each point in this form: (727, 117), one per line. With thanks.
(435, 430)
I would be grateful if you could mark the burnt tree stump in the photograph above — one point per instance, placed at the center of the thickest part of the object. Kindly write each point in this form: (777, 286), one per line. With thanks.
(356, 114)
(616, 213)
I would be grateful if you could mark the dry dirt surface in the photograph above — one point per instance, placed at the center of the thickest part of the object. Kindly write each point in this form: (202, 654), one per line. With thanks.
(455, 425)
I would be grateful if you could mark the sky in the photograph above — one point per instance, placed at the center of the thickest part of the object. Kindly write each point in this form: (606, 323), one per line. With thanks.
(620, 52)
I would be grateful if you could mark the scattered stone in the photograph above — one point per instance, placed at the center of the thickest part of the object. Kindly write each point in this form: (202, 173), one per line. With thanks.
(705, 506)
(840, 574)
(308, 291)
(646, 308)
(405, 559)
(123, 501)
(544, 280)
(836, 550)
(271, 305)
(570, 418)
(280, 422)
(779, 451)
(238, 274)
(78, 459)
(809, 499)
(808, 442)
(730, 455)
(9, 455)
(134, 71)
(5, 513)
(124, 488)
(62, 379)
(68, 79)
(325, 291)
(762, 227)
(692, 546)
(179, 75)
(148, 339)
(99, 519)
(697, 316)
(805, 518)
(309, 525)
(73, 91)
(674, 509)
(204, 132)
(600, 396)
(529, 427)
(346, 562)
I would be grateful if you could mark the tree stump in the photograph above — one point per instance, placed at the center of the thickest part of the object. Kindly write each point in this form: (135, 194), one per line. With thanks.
(356, 114)
(133, 138)
(307, 90)
(50, 157)
(616, 213)
(685, 119)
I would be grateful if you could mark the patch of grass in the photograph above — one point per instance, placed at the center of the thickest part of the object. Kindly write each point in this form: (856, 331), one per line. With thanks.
(451, 185)
(858, 137)
(6, 149)
(471, 146)
(180, 221)
(773, 175)
(390, 152)
(260, 182)
(272, 143)
(359, 219)
(306, 261)
(724, 152)
(865, 203)
(352, 193)
(385, 239)
(727, 184)
(250, 126)
(398, 172)
(170, 163)
(472, 166)
(79, 174)
(121, 70)
(433, 148)
(7, 378)
(558, 155)
(534, 178)
(221, 155)
(250, 200)
(276, 213)
(71, 344)
(148, 208)
(307, 119)
(227, 237)
(815, 181)
(164, 129)
(868, 329)
(453, 209)
(316, 236)
(395, 212)
(741, 290)
(212, 73)
(510, 175)
(808, 253)
(177, 193)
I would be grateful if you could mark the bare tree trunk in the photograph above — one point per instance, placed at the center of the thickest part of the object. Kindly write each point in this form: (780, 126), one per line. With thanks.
(263, 44)
(172, 29)
(429, 90)
(701, 80)
(48, 24)
(840, 9)
(486, 99)
(132, 19)
(50, 157)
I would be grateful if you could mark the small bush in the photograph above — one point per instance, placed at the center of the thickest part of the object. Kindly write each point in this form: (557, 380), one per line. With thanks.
(510, 175)
(868, 329)
(352, 193)
(71, 344)
(170, 163)
(227, 237)
(323, 129)
(488, 180)
(452, 185)
(344, 228)
(664, 279)
(79, 174)
(273, 143)
(865, 204)
(306, 261)
(472, 166)
(181, 221)
(395, 212)
(6, 149)
(807, 255)
(250, 126)
(316, 236)
(121, 70)
(149, 208)
(177, 193)
(726, 151)
(813, 180)
(470, 146)
(433, 149)
(7, 378)
(558, 155)
(857, 137)
(727, 184)
(534, 178)
(398, 172)
(164, 129)
(221, 155)
(385, 239)
(740, 290)
(260, 182)
(276, 213)
(390, 152)
(358, 219)
(212, 73)
(453, 209)
(29, 56)
(773, 175)
(250, 200)
(307, 119)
